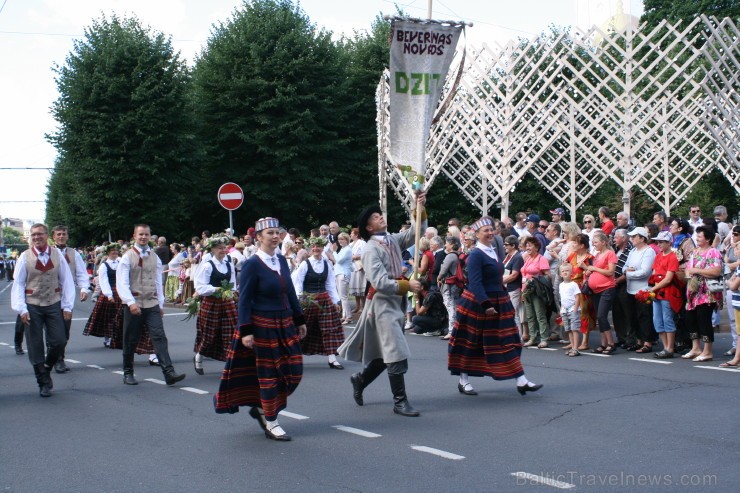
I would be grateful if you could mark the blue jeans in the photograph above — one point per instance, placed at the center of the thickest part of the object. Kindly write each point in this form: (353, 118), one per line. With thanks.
(663, 316)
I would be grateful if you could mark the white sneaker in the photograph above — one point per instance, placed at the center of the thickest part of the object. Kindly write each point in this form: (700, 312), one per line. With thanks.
(407, 326)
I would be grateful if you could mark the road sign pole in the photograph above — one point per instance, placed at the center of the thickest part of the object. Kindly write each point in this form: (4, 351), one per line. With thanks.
(231, 222)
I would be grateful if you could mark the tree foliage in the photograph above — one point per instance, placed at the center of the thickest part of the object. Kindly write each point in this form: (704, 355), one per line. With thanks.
(123, 135)
(267, 92)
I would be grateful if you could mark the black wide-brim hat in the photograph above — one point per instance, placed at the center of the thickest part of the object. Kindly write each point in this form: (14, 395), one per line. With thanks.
(364, 217)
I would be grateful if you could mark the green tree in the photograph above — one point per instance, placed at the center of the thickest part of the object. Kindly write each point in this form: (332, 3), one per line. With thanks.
(266, 96)
(11, 236)
(123, 138)
(675, 10)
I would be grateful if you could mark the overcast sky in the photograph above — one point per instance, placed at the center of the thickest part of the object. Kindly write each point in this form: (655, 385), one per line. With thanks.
(36, 34)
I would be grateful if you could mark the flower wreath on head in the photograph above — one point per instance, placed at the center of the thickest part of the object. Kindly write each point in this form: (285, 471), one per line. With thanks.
(112, 246)
(316, 240)
(216, 240)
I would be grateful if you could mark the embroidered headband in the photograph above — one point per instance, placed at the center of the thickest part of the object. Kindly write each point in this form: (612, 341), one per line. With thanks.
(265, 223)
(484, 221)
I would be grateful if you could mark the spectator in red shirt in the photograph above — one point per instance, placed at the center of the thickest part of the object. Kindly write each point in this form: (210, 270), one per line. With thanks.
(607, 226)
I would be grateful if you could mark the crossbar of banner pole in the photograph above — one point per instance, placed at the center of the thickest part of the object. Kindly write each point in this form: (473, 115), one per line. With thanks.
(426, 21)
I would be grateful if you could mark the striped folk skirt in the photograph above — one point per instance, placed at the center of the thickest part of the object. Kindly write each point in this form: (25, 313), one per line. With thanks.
(324, 332)
(483, 345)
(143, 346)
(215, 327)
(103, 317)
(267, 374)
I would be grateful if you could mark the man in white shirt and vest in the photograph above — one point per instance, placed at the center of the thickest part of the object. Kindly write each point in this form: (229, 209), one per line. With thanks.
(43, 295)
(139, 284)
(60, 236)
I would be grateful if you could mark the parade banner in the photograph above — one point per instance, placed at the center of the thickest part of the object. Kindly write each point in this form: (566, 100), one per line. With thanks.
(421, 53)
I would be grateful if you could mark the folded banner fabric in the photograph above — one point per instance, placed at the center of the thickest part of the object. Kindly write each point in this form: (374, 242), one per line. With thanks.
(421, 54)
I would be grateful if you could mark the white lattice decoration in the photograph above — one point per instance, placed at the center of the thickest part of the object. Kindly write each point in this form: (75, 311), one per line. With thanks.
(647, 110)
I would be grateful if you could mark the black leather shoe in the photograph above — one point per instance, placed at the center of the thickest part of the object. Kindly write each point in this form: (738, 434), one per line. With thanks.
(404, 409)
(172, 378)
(462, 390)
(129, 379)
(19, 350)
(61, 367)
(256, 414)
(336, 366)
(198, 369)
(357, 387)
(44, 390)
(153, 362)
(523, 389)
(279, 438)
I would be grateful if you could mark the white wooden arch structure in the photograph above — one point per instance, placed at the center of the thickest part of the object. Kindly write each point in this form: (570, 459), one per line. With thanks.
(647, 110)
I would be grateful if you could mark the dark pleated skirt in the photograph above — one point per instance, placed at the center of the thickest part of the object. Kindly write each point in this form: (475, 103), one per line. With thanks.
(324, 332)
(482, 345)
(103, 317)
(215, 327)
(267, 374)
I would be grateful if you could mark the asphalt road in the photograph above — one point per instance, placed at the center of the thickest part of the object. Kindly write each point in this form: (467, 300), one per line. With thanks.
(611, 423)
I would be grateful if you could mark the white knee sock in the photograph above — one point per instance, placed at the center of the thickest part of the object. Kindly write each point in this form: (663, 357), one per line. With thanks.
(464, 379)
(332, 358)
(198, 358)
(275, 428)
(521, 381)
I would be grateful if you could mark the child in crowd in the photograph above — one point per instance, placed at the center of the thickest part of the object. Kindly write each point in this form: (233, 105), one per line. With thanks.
(570, 307)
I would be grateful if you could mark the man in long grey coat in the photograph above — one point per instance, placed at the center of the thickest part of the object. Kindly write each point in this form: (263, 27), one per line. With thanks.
(378, 340)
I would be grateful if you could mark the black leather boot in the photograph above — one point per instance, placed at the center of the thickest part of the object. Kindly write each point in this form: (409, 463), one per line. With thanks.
(43, 378)
(128, 370)
(171, 377)
(60, 366)
(365, 378)
(400, 401)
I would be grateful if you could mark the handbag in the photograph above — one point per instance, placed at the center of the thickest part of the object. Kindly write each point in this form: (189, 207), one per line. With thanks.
(716, 284)
(586, 289)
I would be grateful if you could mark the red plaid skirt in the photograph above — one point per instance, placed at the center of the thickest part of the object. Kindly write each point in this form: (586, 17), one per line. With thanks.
(215, 326)
(485, 345)
(267, 374)
(143, 346)
(324, 332)
(103, 317)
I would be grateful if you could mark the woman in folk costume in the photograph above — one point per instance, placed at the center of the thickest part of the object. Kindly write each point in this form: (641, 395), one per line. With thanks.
(485, 341)
(378, 340)
(217, 316)
(264, 364)
(314, 282)
(103, 317)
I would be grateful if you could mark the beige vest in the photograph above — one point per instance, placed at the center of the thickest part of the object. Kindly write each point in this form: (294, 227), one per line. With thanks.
(42, 287)
(71, 259)
(142, 278)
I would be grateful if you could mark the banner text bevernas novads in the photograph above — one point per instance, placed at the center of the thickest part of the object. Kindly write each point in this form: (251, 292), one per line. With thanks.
(423, 42)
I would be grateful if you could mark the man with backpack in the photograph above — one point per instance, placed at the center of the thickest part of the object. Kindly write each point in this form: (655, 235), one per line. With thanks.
(451, 279)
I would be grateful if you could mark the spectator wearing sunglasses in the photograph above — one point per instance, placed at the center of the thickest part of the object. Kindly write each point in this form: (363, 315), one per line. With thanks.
(589, 228)
(695, 219)
(536, 228)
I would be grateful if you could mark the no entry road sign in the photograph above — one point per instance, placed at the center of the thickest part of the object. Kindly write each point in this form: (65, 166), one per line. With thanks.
(230, 196)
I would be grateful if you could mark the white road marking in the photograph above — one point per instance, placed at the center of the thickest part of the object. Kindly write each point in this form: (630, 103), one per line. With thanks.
(434, 451)
(194, 390)
(594, 354)
(292, 415)
(97, 367)
(6, 288)
(4, 344)
(118, 372)
(660, 362)
(154, 380)
(543, 480)
(547, 349)
(357, 431)
(733, 370)
(72, 361)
